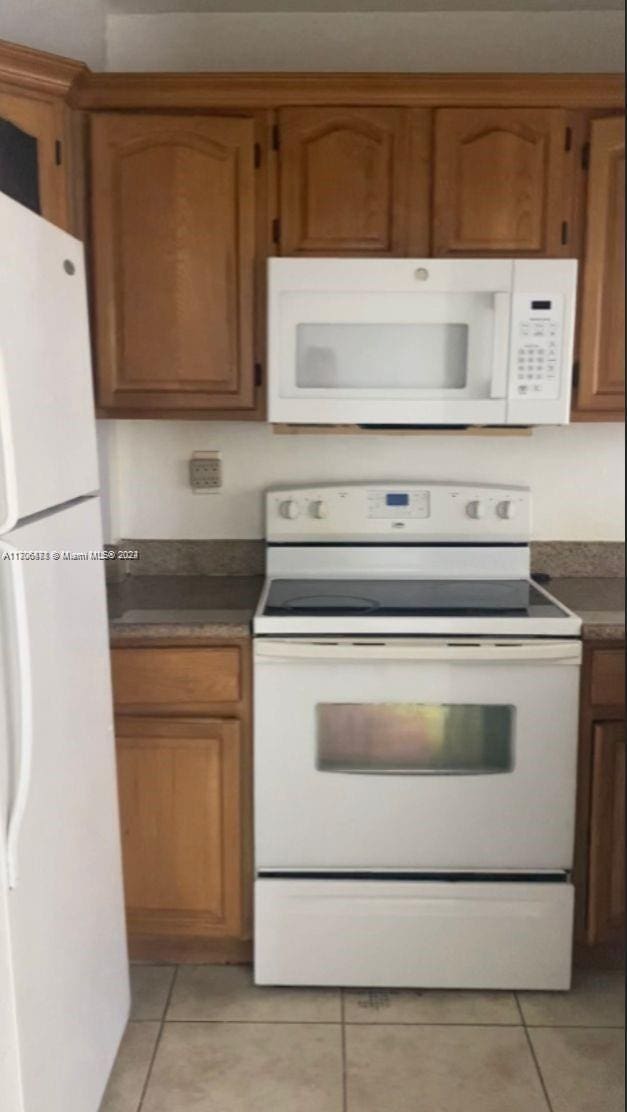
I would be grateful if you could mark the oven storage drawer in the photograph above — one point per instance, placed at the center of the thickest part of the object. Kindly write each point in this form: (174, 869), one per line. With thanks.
(422, 934)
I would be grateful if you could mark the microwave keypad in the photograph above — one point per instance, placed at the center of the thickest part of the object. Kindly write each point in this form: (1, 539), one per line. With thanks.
(537, 360)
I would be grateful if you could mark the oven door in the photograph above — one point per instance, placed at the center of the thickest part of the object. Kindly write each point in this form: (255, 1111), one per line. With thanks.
(413, 755)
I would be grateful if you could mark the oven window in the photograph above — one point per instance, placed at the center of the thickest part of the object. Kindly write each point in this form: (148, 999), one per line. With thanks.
(429, 356)
(415, 738)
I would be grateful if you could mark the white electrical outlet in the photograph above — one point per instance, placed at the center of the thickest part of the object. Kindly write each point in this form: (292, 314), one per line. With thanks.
(205, 472)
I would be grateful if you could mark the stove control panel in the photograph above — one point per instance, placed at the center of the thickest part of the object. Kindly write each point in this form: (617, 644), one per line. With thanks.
(399, 512)
(397, 504)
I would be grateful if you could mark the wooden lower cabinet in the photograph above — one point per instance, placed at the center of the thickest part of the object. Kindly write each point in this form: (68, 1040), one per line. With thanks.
(185, 802)
(180, 801)
(606, 870)
(600, 845)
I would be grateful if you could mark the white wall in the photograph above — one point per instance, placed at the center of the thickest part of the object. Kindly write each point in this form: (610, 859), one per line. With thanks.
(404, 41)
(576, 474)
(73, 28)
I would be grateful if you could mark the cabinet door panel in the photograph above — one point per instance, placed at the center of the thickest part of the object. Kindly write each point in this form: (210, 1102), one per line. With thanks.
(500, 183)
(30, 169)
(179, 784)
(606, 882)
(345, 180)
(173, 214)
(602, 347)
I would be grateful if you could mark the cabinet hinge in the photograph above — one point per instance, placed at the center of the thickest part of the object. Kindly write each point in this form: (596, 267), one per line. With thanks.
(276, 230)
(58, 152)
(564, 231)
(258, 374)
(276, 137)
(575, 375)
(257, 155)
(585, 156)
(568, 139)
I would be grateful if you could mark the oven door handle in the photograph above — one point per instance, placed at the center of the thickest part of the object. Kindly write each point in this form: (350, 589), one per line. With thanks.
(556, 652)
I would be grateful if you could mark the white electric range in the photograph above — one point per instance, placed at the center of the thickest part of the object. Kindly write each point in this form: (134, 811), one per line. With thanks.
(416, 702)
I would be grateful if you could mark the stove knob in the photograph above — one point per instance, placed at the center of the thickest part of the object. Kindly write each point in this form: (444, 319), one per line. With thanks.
(506, 510)
(289, 509)
(476, 509)
(319, 509)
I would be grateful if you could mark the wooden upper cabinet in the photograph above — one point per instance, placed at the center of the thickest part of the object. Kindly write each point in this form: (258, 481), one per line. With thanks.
(173, 233)
(601, 385)
(354, 181)
(502, 182)
(31, 165)
(606, 879)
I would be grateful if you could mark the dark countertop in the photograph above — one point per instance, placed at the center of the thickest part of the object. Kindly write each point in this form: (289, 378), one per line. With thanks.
(185, 606)
(600, 603)
(205, 606)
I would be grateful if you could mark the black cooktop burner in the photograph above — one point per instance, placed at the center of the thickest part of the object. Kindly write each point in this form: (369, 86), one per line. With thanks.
(330, 604)
(389, 598)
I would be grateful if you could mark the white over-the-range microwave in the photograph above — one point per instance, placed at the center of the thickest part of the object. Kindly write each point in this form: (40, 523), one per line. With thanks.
(421, 341)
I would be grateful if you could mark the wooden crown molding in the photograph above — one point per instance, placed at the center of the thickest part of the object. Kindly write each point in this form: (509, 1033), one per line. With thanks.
(103, 91)
(34, 71)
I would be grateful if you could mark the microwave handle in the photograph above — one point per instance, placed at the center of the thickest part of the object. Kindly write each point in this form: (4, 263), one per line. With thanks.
(500, 345)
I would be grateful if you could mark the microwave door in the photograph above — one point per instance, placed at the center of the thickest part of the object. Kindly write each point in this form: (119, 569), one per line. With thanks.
(392, 358)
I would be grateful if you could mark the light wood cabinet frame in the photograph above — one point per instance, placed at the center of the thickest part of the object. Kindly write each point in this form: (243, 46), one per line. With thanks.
(598, 927)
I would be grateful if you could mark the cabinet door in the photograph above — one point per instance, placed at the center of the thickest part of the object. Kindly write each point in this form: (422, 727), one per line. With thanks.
(602, 346)
(173, 236)
(179, 785)
(30, 156)
(606, 880)
(354, 181)
(501, 183)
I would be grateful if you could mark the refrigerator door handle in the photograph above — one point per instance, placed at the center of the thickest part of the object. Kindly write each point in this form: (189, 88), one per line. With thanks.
(10, 555)
(7, 457)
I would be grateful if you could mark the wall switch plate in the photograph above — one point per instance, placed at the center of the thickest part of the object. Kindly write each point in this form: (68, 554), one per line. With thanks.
(205, 472)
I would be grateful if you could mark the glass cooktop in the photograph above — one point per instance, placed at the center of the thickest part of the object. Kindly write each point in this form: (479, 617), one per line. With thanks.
(387, 598)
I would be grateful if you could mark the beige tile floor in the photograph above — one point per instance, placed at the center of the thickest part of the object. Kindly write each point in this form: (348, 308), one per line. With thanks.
(204, 1039)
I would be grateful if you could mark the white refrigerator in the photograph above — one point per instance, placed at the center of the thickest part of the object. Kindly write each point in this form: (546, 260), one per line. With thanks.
(64, 993)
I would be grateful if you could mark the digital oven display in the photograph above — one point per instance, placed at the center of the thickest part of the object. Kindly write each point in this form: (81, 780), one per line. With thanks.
(397, 500)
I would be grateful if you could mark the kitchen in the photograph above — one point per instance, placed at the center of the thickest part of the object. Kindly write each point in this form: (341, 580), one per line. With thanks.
(384, 832)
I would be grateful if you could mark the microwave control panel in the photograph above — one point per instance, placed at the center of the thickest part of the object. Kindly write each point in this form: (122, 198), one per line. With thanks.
(536, 347)
(405, 512)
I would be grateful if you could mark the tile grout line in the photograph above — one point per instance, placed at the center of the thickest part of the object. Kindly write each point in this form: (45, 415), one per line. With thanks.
(343, 1037)
(376, 1023)
(534, 1055)
(157, 1041)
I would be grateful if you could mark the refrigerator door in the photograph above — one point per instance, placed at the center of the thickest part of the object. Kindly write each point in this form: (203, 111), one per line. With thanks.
(10, 1085)
(47, 434)
(61, 875)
